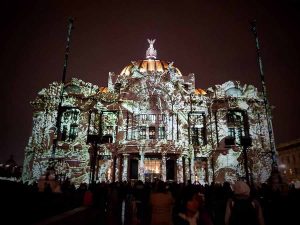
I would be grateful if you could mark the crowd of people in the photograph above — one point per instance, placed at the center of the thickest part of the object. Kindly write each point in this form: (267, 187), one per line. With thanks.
(163, 203)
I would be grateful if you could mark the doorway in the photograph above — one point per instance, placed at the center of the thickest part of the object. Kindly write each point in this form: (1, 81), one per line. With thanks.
(134, 169)
(170, 169)
(152, 169)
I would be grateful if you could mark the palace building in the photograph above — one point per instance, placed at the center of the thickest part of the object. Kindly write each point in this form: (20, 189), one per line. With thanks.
(150, 122)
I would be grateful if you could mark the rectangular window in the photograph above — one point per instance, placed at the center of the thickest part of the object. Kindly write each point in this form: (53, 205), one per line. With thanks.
(73, 132)
(69, 125)
(152, 118)
(94, 123)
(129, 133)
(134, 134)
(143, 132)
(152, 133)
(74, 115)
(161, 133)
(231, 132)
(162, 117)
(197, 130)
(109, 121)
(143, 117)
(195, 136)
(237, 123)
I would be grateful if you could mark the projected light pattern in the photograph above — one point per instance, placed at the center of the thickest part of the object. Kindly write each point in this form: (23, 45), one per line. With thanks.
(150, 111)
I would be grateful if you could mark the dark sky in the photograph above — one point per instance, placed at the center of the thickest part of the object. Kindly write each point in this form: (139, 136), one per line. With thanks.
(209, 38)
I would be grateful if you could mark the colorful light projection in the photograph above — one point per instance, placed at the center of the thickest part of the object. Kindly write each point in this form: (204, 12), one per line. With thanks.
(150, 112)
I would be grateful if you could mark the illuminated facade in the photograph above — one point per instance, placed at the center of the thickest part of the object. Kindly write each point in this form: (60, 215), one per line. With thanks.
(153, 123)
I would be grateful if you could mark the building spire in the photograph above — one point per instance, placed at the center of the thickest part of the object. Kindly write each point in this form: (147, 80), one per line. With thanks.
(151, 53)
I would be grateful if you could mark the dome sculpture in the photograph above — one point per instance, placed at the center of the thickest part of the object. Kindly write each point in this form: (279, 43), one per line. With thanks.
(150, 64)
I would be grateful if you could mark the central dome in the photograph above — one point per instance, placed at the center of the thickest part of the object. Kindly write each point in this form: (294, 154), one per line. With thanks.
(149, 66)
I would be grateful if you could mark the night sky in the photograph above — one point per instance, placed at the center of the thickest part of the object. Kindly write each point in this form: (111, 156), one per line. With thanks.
(211, 39)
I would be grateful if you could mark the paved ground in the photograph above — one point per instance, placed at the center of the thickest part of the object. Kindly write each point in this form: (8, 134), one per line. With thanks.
(77, 216)
(81, 216)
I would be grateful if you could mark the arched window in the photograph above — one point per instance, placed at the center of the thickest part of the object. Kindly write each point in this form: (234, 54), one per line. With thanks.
(237, 124)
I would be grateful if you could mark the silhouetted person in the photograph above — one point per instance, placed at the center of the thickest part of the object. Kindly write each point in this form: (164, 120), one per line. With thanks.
(47, 188)
(193, 211)
(241, 208)
(161, 202)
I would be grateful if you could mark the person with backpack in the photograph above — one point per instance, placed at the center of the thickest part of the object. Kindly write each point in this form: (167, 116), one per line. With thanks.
(242, 209)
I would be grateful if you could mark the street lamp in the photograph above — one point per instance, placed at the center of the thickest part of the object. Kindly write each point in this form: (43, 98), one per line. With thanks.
(266, 102)
(246, 142)
(93, 138)
(61, 96)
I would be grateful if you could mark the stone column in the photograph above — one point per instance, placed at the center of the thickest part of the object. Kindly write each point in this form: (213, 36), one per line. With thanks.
(192, 164)
(187, 169)
(202, 177)
(163, 168)
(110, 172)
(117, 168)
(141, 170)
(125, 167)
(179, 170)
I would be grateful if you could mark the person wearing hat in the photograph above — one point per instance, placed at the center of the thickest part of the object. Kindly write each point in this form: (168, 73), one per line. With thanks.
(242, 209)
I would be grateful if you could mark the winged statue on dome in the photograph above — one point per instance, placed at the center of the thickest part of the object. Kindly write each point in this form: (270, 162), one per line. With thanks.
(151, 52)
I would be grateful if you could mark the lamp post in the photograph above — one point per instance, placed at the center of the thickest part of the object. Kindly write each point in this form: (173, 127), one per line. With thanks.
(246, 142)
(266, 102)
(93, 138)
(275, 177)
(52, 161)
